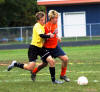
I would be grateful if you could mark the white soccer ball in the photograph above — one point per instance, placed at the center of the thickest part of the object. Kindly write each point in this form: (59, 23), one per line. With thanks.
(82, 80)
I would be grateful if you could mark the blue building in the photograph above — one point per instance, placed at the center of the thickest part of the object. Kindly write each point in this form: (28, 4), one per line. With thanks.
(76, 17)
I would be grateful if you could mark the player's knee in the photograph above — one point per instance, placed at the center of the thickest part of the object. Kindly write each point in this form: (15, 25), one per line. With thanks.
(65, 59)
(28, 67)
(51, 61)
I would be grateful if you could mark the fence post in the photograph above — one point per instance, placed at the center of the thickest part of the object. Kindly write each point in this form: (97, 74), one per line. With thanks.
(21, 34)
(90, 33)
(26, 36)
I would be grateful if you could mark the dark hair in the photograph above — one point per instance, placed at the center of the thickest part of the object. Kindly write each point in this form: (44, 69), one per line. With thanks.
(39, 15)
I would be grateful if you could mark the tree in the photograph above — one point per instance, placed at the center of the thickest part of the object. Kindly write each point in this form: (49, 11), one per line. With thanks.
(2, 1)
(18, 12)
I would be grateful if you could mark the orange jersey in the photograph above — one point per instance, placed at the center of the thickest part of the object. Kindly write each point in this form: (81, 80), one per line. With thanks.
(51, 42)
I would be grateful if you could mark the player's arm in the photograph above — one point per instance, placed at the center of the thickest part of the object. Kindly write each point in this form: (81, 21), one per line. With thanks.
(49, 35)
(44, 36)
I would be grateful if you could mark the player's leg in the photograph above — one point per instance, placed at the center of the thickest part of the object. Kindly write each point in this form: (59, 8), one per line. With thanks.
(41, 52)
(64, 60)
(44, 64)
(15, 64)
(40, 66)
(29, 66)
(58, 52)
(64, 68)
(37, 69)
(46, 57)
(32, 55)
(49, 60)
(51, 63)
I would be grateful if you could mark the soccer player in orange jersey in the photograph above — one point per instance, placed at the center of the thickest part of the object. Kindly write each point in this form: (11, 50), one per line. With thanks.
(51, 44)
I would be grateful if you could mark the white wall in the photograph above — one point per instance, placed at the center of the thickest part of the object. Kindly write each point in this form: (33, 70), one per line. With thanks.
(74, 24)
(59, 26)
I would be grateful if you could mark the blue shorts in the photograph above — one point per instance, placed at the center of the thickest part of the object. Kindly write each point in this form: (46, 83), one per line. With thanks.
(56, 52)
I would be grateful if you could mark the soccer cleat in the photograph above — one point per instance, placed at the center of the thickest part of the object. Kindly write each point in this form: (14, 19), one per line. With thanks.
(57, 82)
(11, 65)
(65, 78)
(33, 76)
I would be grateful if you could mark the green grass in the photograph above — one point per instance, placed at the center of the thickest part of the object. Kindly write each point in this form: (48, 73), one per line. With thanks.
(83, 61)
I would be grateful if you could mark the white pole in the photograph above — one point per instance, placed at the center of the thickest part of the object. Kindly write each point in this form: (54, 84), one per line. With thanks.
(90, 33)
(21, 34)
(26, 36)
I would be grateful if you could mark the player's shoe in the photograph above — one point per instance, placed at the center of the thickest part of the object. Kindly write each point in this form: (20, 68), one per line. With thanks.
(57, 82)
(11, 65)
(65, 78)
(33, 76)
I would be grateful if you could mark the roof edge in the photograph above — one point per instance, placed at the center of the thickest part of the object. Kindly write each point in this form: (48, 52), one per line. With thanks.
(66, 2)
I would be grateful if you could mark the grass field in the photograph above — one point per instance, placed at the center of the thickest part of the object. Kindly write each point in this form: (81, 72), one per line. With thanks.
(83, 61)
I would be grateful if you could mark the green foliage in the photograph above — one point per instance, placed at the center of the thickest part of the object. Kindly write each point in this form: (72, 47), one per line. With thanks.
(18, 12)
(2, 1)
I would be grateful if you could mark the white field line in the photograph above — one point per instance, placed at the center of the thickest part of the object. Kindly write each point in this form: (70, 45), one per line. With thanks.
(29, 80)
(46, 73)
(56, 63)
(88, 72)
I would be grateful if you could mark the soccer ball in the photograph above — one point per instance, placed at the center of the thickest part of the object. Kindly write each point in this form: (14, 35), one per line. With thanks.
(82, 80)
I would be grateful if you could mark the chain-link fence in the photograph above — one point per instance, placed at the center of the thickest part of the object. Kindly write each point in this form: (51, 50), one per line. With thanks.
(81, 32)
(23, 35)
(15, 35)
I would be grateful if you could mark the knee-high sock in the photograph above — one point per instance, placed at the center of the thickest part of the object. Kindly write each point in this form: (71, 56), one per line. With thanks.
(35, 70)
(52, 72)
(63, 71)
(19, 65)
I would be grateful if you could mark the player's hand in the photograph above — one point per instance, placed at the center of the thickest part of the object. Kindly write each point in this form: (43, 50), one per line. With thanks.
(51, 35)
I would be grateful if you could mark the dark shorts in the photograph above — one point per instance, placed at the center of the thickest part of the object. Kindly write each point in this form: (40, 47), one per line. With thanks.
(34, 51)
(56, 52)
